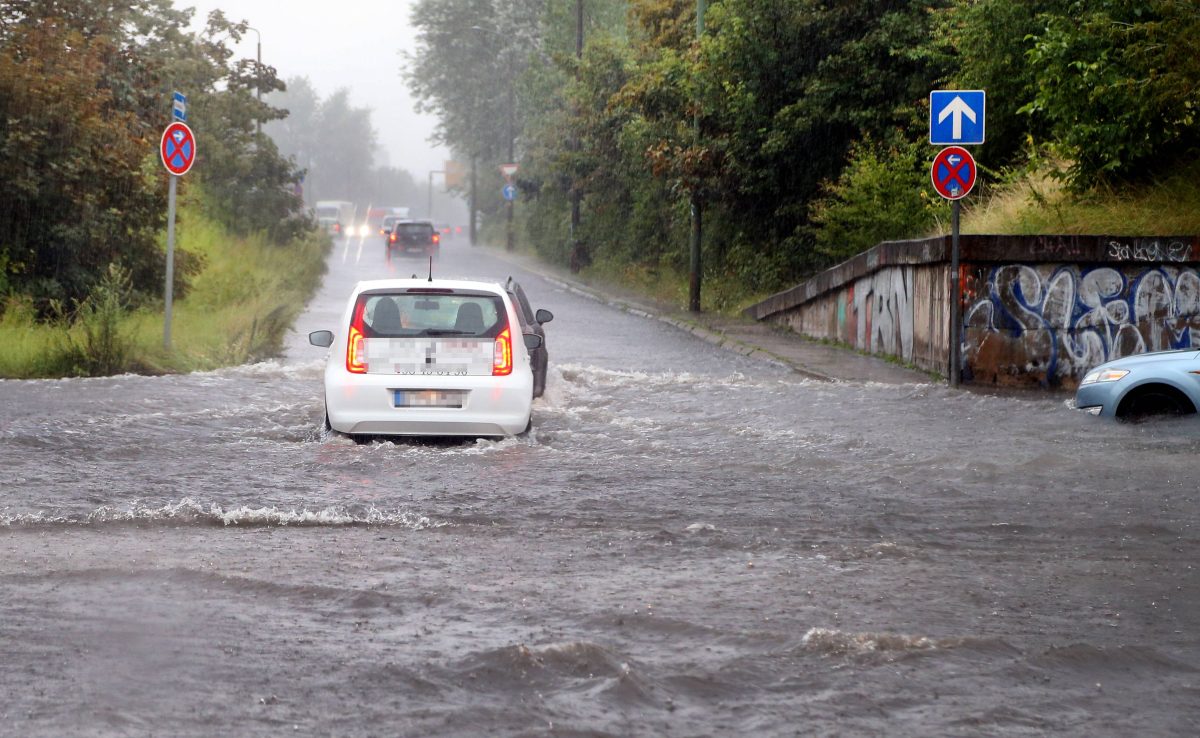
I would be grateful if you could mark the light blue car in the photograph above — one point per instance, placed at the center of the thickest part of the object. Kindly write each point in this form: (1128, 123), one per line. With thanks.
(1135, 387)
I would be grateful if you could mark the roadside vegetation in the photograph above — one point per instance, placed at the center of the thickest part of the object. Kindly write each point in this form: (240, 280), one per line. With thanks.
(802, 127)
(243, 297)
(85, 92)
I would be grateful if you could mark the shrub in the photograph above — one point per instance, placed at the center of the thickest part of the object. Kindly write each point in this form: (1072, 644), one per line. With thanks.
(883, 194)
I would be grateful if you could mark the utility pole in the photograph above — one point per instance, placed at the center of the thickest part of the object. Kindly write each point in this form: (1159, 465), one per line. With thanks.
(575, 194)
(472, 203)
(697, 206)
(432, 172)
(509, 245)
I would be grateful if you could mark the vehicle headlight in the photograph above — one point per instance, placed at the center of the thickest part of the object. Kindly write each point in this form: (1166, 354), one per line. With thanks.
(1104, 375)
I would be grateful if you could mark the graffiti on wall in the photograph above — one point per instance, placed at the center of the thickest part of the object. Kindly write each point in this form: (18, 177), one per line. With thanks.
(1054, 322)
(883, 308)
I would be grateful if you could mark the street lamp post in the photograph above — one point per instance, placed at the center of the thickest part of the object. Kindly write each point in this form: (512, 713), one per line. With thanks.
(697, 205)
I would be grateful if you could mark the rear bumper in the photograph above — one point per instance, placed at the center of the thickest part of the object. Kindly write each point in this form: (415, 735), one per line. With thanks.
(362, 404)
(411, 250)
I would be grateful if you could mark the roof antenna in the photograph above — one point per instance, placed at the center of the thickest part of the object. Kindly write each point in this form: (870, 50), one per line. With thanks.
(431, 268)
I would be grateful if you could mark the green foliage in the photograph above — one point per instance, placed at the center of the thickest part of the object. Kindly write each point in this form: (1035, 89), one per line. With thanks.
(988, 42)
(84, 91)
(1115, 86)
(883, 194)
(76, 195)
(241, 305)
(97, 345)
(799, 125)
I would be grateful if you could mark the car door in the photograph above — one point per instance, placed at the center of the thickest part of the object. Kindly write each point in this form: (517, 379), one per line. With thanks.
(539, 358)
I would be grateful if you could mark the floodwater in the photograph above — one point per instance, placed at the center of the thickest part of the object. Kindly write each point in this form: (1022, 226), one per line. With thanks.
(688, 543)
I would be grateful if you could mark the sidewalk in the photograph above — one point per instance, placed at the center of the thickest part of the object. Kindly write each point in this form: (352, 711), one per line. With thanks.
(764, 341)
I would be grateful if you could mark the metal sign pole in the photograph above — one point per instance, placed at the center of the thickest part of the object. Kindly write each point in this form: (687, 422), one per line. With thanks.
(168, 292)
(955, 299)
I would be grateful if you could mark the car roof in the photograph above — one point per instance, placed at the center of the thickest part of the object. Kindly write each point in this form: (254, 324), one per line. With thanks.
(404, 284)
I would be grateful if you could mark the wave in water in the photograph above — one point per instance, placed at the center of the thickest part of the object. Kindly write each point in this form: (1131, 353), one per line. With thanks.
(841, 643)
(189, 512)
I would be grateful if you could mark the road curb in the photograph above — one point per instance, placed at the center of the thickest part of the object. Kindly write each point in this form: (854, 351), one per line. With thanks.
(716, 338)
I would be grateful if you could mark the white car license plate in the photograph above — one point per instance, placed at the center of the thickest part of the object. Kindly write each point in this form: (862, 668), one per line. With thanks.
(427, 398)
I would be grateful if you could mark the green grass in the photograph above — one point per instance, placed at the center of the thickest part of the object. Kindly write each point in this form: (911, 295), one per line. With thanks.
(670, 287)
(1040, 204)
(238, 310)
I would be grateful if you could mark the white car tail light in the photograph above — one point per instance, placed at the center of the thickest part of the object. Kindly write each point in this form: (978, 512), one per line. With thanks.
(502, 361)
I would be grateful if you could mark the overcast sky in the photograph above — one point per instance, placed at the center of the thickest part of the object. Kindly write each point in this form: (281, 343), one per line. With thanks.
(352, 43)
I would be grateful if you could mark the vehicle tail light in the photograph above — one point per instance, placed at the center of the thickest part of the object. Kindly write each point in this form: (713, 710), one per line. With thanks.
(436, 238)
(337, 227)
(502, 359)
(356, 348)
(392, 238)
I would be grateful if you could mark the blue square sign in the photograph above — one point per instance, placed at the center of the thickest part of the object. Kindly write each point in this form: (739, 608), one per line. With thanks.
(956, 117)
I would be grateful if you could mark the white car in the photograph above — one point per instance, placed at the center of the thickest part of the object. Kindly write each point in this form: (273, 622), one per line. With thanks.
(434, 357)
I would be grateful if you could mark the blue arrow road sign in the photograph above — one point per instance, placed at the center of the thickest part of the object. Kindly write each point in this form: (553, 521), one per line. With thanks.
(956, 117)
(179, 108)
(509, 192)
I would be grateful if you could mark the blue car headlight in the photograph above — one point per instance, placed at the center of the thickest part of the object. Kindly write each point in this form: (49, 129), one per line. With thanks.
(1104, 375)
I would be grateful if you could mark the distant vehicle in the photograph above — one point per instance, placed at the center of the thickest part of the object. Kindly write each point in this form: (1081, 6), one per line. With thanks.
(376, 215)
(415, 357)
(387, 223)
(1144, 385)
(531, 322)
(336, 217)
(413, 237)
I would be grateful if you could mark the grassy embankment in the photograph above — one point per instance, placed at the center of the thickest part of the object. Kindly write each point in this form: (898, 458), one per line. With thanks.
(1037, 203)
(239, 308)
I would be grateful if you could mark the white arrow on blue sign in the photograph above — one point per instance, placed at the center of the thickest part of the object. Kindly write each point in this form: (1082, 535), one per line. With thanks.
(956, 117)
(509, 191)
(179, 107)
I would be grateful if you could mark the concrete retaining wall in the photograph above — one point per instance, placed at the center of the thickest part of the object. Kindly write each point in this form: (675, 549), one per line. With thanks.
(1037, 310)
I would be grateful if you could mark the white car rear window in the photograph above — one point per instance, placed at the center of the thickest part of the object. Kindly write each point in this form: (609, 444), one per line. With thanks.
(405, 315)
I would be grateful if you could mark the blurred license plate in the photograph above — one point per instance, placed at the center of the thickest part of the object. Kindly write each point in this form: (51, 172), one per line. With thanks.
(427, 398)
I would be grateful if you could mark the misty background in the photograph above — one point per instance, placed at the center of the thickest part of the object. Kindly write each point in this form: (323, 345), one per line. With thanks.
(353, 125)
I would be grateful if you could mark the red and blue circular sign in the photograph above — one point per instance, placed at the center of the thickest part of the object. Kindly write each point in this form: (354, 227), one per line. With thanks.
(953, 172)
(178, 148)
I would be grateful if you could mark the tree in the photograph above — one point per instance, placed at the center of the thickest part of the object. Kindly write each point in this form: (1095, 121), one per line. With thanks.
(84, 94)
(1116, 87)
(76, 190)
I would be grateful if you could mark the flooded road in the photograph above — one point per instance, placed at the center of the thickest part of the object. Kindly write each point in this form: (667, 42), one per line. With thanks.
(688, 543)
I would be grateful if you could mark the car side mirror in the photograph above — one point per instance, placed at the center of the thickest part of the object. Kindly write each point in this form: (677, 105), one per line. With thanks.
(532, 341)
(323, 339)
(543, 316)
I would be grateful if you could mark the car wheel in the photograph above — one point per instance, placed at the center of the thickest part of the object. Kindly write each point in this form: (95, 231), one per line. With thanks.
(1151, 402)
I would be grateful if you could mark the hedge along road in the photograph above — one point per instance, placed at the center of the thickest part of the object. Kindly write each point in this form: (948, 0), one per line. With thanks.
(690, 542)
